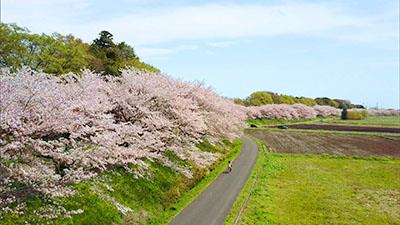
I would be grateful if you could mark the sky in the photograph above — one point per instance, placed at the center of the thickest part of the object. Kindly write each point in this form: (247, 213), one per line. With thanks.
(339, 49)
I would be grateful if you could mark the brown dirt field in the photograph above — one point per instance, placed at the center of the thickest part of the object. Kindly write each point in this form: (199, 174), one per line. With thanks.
(328, 143)
(344, 128)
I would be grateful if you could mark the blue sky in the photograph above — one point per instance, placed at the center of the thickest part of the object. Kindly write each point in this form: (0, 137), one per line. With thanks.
(340, 49)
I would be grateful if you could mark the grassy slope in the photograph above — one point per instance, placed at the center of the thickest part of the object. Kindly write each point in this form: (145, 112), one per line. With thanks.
(155, 199)
(299, 189)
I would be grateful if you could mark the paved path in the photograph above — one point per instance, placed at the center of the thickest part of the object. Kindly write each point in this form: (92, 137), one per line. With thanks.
(214, 203)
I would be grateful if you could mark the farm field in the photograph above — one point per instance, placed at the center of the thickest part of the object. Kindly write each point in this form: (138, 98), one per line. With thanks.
(369, 121)
(311, 177)
(336, 127)
(318, 189)
(372, 121)
(328, 143)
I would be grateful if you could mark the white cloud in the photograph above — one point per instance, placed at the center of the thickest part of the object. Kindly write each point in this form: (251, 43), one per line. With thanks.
(229, 21)
(237, 21)
(45, 16)
(221, 44)
(206, 22)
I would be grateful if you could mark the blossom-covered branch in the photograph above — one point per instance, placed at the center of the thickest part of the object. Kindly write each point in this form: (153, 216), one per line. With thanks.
(57, 131)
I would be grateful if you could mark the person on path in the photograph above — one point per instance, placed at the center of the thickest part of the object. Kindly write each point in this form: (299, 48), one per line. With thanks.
(229, 166)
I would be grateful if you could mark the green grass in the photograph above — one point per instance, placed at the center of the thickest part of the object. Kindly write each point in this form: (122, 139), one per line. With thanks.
(208, 147)
(311, 189)
(155, 198)
(369, 121)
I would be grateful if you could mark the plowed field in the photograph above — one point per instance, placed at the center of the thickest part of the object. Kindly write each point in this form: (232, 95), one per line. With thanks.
(328, 143)
(345, 128)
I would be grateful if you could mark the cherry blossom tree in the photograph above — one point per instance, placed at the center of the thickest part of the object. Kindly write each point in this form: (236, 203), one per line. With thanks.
(325, 110)
(383, 112)
(285, 111)
(60, 130)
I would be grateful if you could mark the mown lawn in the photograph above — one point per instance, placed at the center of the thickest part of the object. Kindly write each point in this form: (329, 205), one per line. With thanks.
(321, 189)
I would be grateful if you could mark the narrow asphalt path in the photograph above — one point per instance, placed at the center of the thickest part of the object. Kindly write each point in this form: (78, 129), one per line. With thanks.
(214, 203)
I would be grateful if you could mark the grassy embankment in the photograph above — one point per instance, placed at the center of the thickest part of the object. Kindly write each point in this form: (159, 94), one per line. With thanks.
(154, 198)
(321, 189)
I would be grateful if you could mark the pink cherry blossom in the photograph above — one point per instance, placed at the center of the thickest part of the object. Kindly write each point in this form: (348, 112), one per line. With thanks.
(383, 112)
(57, 131)
(325, 110)
(295, 111)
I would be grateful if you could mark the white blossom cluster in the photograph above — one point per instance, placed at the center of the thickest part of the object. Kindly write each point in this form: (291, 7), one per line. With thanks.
(326, 110)
(285, 111)
(55, 131)
(383, 112)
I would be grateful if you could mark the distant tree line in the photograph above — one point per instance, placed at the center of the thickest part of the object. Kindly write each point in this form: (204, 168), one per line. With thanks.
(259, 98)
(59, 54)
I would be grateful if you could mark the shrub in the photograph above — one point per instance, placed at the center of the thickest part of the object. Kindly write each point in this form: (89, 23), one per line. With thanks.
(364, 114)
(352, 115)
(355, 114)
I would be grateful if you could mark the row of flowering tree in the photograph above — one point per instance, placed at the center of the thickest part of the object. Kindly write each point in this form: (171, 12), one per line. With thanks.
(58, 131)
(301, 111)
(382, 112)
(295, 111)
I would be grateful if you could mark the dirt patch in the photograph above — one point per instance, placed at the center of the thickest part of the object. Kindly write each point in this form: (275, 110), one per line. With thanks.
(328, 143)
(344, 128)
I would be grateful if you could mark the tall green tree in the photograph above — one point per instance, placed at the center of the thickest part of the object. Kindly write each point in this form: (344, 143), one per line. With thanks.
(54, 53)
(59, 54)
(305, 101)
(260, 98)
(11, 47)
(327, 101)
(287, 99)
(110, 57)
(240, 101)
(105, 40)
